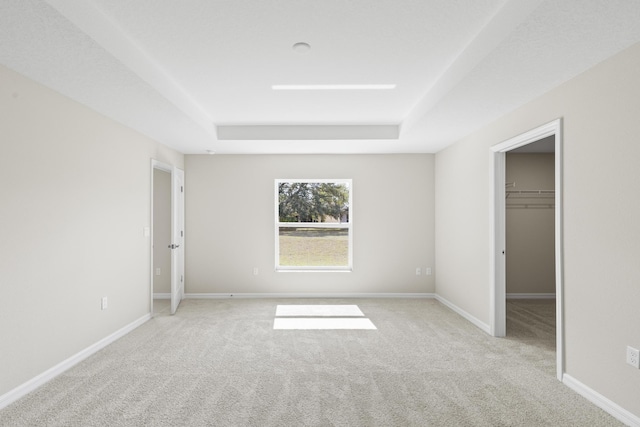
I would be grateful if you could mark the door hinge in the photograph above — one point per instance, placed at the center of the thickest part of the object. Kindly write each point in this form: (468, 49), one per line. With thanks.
(181, 277)
(181, 233)
(181, 189)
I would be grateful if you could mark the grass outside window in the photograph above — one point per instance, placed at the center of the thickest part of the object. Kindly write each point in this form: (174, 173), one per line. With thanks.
(315, 247)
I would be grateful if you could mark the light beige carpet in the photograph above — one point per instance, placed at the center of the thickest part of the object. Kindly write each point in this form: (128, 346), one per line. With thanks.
(220, 363)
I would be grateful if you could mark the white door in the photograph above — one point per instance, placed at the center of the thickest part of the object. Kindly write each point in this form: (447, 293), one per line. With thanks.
(177, 238)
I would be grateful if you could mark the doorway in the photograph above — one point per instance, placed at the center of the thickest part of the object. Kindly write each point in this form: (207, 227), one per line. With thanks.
(167, 237)
(552, 131)
(161, 272)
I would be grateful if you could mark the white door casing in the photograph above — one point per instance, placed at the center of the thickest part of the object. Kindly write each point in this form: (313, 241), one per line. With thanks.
(498, 233)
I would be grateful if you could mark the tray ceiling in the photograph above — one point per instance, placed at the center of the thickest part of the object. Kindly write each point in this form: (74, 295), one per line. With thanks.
(199, 75)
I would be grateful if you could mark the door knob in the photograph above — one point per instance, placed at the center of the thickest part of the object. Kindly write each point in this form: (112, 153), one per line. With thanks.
(172, 246)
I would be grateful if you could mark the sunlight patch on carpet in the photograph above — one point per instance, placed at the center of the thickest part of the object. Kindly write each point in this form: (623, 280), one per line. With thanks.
(318, 316)
(318, 310)
(322, 323)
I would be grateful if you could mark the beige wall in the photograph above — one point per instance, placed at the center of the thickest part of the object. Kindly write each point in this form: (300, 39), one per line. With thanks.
(76, 195)
(601, 176)
(161, 231)
(230, 223)
(530, 232)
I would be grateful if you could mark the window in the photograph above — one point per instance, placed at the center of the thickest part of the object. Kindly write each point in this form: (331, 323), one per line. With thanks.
(313, 224)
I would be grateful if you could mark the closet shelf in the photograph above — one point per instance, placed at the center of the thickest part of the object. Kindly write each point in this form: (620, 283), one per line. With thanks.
(530, 194)
(543, 197)
(530, 206)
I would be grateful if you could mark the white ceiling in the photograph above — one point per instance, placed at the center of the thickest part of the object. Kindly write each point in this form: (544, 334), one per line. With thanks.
(178, 70)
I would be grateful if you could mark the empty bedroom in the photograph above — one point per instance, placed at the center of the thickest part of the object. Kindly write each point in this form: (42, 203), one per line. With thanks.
(302, 213)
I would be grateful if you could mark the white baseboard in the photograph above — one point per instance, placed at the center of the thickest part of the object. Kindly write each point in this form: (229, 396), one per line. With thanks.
(602, 402)
(536, 295)
(302, 295)
(23, 389)
(483, 326)
(160, 295)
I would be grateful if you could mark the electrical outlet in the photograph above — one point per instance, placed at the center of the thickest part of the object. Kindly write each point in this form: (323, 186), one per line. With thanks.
(255, 271)
(633, 357)
(418, 271)
(103, 303)
(427, 271)
(158, 271)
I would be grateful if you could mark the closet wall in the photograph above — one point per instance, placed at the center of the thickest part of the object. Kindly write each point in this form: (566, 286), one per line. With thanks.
(530, 223)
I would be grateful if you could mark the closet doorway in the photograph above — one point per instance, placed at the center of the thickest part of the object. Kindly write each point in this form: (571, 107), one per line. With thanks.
(542, 204)
(529, 220)
(167, 245)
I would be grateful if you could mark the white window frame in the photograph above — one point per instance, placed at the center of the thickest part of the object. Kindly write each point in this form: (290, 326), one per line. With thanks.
(347, 225)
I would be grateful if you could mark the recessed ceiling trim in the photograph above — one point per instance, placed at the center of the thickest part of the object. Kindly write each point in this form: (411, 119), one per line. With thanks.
(114, 40)
(501, 25)
(336, 87)
(307, 132)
